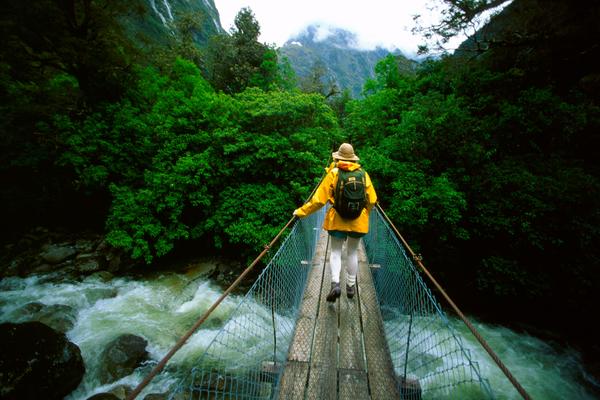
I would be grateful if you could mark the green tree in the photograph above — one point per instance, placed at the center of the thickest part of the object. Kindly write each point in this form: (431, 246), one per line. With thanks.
(185, 163)
(187, 26)
(319, 81)
(56, 57)
(491, 176)
(388, 75)
(339, 104)
(457, 17)
(238, 61)
(286, 76)
(83, 39)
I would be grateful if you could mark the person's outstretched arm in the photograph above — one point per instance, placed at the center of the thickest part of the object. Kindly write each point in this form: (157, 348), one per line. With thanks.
(320, 197)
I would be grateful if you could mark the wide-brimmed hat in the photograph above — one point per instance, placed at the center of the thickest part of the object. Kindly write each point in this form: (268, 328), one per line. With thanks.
(345, 152)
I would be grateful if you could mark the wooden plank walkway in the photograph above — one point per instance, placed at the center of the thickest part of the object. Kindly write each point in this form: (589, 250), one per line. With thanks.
(339, 349)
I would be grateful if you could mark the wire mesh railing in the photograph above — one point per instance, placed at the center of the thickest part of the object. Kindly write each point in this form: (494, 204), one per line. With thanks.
(246, 358)
(427, 353)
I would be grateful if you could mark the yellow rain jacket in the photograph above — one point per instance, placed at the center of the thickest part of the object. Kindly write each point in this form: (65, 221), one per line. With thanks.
(324, 194)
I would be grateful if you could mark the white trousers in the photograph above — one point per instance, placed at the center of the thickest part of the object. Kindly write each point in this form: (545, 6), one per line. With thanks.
(335, 259)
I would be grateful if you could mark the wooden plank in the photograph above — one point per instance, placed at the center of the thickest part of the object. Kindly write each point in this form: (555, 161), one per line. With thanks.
(301, 342)
(293, 381)
(379, 364)
(322, 380)
(353, 385)
(351, 355)
(361, 367)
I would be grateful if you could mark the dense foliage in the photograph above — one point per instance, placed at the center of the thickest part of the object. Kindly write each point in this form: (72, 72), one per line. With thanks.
(218, 149)
(184, 162)
(237, 61)
(491, 173)
(56, 57)
(492, 177)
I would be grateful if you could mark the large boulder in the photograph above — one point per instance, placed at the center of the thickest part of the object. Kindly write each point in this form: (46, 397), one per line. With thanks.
(37, 362)
(57, 253)
(122, 356)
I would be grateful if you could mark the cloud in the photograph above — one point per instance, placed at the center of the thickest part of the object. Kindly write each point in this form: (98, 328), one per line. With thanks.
(383, 23)
(380, 23)
(323, 32)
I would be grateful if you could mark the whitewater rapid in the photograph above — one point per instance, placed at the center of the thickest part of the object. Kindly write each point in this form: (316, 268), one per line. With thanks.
(162, 308)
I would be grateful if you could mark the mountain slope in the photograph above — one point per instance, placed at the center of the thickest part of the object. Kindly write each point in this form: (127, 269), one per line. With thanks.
(337, 50)
(158, 21)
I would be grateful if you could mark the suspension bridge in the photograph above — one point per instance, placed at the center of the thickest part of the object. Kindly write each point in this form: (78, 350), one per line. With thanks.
(391, 341)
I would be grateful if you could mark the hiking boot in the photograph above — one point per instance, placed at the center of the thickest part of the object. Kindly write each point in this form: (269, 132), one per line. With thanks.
(350, 290)
(334, 293)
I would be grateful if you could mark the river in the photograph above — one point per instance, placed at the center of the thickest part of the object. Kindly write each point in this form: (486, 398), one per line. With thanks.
(162, 307)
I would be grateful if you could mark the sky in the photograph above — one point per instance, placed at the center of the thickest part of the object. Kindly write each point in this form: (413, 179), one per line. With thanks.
(384, 23)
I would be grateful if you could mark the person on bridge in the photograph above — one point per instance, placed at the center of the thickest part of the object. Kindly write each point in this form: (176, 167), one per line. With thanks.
(352, 195)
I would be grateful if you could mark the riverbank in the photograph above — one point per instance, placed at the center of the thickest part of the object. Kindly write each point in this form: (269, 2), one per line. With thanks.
(76, 255)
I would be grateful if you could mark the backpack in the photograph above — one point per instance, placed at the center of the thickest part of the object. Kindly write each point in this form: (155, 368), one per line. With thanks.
(350, 193)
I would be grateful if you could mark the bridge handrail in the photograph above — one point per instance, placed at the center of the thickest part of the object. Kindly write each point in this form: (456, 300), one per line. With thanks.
(163, 362)
(418, 260)
(264, 319)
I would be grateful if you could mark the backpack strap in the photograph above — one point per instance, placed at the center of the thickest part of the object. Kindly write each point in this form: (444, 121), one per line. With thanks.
(338, 187)
(364, 179)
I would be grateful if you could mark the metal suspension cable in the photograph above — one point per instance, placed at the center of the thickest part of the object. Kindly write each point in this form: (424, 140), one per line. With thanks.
(466, 321)
(161, 364)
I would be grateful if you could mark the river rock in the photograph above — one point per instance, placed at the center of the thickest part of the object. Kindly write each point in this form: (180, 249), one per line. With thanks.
(43, 268)
(86, 245)
(122, 356)
(55, 254)
(103, 246)
(111, 254)
(156, 396)
(103, 276)
(104, 396)
(87, 265)
(30, 309)
(37, 362)
(114, 261)
(93, 295)
(59, 317)
(121, 391)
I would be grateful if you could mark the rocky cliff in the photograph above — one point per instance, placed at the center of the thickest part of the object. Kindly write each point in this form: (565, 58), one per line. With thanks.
(160, 17)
